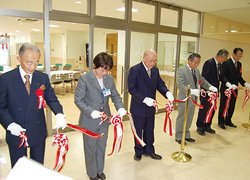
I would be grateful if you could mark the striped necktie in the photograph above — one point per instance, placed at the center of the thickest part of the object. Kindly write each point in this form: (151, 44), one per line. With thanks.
(27, 83)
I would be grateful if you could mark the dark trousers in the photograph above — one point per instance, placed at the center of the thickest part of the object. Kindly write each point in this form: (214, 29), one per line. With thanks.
(226, 120)
(36, 153)
(144, 128)
(203, 112)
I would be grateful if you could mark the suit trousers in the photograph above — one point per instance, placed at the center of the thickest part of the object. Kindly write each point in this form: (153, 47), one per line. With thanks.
(203, 112)
(94, 151)
(222, 120)
(36, 153)
(144, 128)
(180, 120)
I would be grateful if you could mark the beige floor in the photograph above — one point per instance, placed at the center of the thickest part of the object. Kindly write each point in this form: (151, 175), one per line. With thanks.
(224, 155)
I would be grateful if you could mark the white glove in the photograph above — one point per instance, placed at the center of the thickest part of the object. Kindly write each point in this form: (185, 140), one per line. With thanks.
(170, 96)
(195, 92)
(234, 86)
(60, 121)
(149, 101)
(229, 85)
(96, 114)
(15, 129)
(122, 112)
(247, 85)
(213, 89)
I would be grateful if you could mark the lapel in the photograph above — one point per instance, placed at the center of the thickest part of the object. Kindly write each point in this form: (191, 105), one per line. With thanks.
(19, 85)
(94, 80)
(232, 65)
(190, 75)
(145, 74)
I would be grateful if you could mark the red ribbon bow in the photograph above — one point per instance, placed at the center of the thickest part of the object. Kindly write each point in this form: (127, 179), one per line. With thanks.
(245, 99)
(156, 106)
(24, 140)
(168, 121)
(228, 93)
(116, 121)
(41, 102)
(61, 141)
(213, 106)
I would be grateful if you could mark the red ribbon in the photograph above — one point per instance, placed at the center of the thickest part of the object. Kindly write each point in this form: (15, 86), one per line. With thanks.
(213, 106)
(168, 121)
(228, 93)
(85, 131)
(245, 99)
(2, 43)
(40, 97)
(138, 139)
(60, 140)
(156, 106)
(6, 40)
(184, 100)
(116, 121)
(24, 140)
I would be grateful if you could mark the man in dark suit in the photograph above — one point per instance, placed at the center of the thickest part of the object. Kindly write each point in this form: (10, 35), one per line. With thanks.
(143, 81)
(189, 74)
(19, 112)
(211, 71)
(231, 77)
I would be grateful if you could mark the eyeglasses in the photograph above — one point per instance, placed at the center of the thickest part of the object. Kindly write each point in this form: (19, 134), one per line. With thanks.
(239, 56)
(102, 69)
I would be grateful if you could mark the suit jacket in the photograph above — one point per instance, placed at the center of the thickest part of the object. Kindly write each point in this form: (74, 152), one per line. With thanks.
(210, 72)
(141, 86)
(88, 97)
(185, 77)
(230, 74)
(19, 107)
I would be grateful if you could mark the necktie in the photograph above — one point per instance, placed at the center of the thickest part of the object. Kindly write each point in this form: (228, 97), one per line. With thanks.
(218, 70)
(235, 64)
(149, 74)
(194, 77)
(27, 83)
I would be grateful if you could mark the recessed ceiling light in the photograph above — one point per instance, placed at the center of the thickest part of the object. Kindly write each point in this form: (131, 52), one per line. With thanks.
(123, 9)
(78, 2)
(17, 31)
(55, 26)
(234, 31)
(35, 30)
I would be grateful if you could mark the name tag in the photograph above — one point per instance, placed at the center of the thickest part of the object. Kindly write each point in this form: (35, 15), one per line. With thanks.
(106, 92)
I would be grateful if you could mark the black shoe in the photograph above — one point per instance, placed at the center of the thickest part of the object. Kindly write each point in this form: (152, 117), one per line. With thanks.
(190, 140)
(209, 130)
(179, 141)
(101, 176)
(95, 178)
(222, 126)
(231, 125)
(137, 157)
(200, 131)
(153, 156)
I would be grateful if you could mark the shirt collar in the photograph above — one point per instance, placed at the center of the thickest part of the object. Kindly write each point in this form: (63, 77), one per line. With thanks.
(216, 61)
(145, 66)
(233, 60)
(23, 73)
(189, 67)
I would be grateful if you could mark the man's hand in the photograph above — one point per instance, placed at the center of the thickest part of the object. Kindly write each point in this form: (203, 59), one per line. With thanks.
(122, 112)
(96, 114)
(195, 92)
(60, 121)
(15, 129)
(213, 89)
(170, 96)
(247, 85)
(149, 101)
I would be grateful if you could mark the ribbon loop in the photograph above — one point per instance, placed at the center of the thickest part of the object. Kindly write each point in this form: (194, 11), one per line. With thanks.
(24, 140)
(168, 121)
(245, 99)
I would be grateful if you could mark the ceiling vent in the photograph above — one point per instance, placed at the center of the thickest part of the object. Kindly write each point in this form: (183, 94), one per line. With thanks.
(27, 20)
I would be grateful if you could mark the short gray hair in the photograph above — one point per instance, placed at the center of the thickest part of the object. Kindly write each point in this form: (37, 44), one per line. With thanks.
(29, 46)
(193, 55)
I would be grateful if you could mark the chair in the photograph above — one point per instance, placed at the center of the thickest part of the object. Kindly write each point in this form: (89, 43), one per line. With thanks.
(1, 68)
(57, 79)
(58, 64)
(69, 65)
(66, 67)
(67, 78)
(56, 68)
(75, 78)
(39, 64)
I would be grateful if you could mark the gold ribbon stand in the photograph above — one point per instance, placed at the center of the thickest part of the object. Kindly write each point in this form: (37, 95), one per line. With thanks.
(247, 125)
(182, 156)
